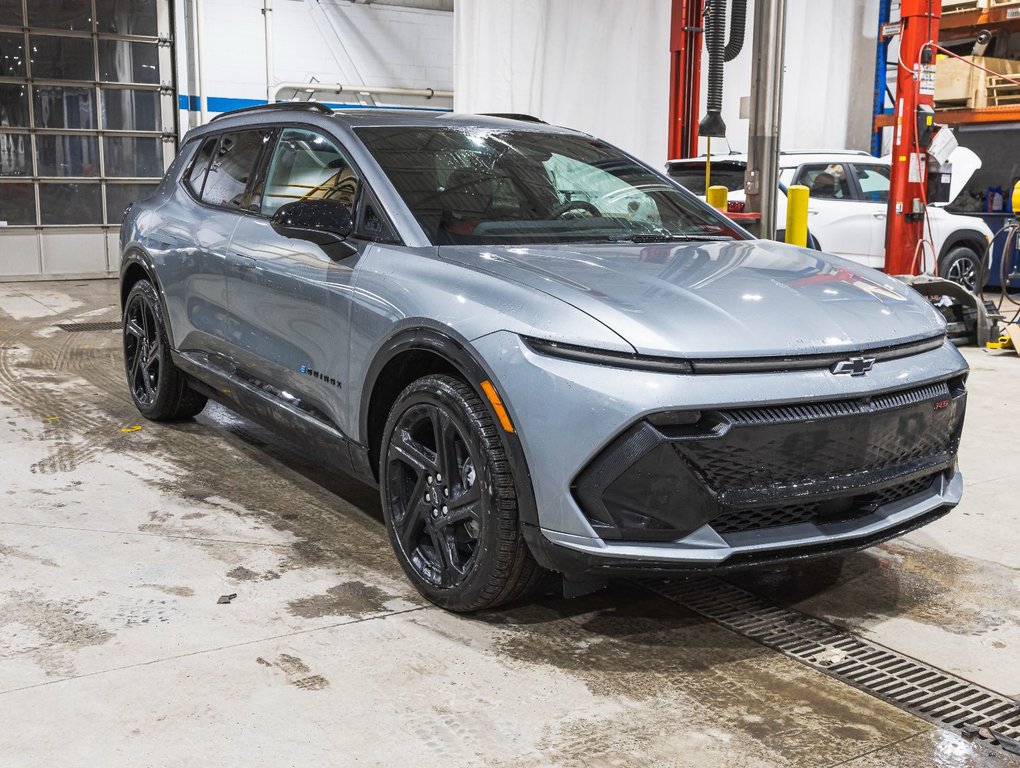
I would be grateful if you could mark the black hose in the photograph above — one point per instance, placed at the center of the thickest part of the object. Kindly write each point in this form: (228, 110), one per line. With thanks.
(1008, 256)
(715, 18)
(738, 23)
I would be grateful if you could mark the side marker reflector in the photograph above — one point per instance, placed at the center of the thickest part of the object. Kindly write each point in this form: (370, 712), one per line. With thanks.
(497, 405)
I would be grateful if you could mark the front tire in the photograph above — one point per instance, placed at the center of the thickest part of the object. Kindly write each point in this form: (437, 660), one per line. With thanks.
(449, 499)
(159, 390)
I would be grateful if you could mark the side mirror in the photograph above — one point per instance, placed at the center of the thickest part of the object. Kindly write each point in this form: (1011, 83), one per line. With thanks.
(323, 222)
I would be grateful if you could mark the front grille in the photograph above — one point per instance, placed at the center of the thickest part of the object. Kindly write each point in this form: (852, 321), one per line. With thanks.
(741, 520)
(747, 469)
(752, 455)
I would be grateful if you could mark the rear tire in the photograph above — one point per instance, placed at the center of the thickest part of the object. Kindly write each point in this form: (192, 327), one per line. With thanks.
(159, 390)
(449, 499)
(961, 265)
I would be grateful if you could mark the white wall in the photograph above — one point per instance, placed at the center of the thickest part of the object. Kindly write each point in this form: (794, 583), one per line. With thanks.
(331, 41)
(828, 81)
(603, 66)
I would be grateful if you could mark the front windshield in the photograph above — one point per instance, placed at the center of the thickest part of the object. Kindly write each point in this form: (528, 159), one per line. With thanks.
(493, 186)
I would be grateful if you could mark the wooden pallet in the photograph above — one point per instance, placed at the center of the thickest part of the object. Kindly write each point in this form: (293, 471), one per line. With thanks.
(1002, 92)
(962, 6)
(1001, 3)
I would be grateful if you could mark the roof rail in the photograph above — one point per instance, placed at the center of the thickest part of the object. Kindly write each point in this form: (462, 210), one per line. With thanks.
(513, 116)
(306, 106)
(825, 152)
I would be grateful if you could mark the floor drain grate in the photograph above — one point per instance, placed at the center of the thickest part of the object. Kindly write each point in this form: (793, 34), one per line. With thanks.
(113, 325)
(912, 685)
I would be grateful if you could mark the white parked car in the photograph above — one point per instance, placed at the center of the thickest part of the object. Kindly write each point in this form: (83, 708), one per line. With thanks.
(848, 207)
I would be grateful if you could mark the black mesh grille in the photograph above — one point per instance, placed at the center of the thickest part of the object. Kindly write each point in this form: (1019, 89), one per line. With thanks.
(786, 450)
(738, 521)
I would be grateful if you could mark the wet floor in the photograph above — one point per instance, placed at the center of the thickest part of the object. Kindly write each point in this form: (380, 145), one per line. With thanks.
(118, 537)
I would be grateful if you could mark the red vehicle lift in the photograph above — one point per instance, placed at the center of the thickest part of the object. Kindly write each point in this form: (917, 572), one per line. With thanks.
(685, 44)
(914, 118)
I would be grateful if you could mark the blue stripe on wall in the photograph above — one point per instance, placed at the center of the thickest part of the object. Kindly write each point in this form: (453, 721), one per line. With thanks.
(226, 104)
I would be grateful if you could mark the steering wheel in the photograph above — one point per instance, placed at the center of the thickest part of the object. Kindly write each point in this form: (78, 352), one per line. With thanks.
(574, 205)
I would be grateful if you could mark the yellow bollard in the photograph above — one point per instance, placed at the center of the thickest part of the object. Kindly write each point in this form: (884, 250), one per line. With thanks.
(1016, 199)
(796, 214)
(718, 197)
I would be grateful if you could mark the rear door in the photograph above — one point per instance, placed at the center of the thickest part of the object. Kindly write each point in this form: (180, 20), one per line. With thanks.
(837, 218)
(199, 224)
(873, 186)
(293, 299)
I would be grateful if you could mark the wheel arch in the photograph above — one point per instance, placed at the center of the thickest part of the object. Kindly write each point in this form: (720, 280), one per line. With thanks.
(969, 238)
(414, 353)
(136, 266)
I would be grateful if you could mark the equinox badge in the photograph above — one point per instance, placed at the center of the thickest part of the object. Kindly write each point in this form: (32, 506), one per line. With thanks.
(855, 366)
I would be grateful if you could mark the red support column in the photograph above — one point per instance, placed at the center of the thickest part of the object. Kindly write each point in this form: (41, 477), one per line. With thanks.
(685, 37)
(915, 86)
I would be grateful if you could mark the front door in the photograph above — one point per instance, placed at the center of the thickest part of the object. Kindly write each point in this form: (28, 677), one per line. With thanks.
(294, 300)
(841, 222)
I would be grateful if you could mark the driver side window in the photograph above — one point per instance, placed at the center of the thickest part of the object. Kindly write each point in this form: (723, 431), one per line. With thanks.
(308, 166)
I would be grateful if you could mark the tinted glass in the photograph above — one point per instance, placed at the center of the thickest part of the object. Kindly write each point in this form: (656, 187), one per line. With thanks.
(119, 196)
(124, 62)
(307, 165)
(10, 13)
(127, 17)
(70, 203)
(692, 177)
(874, 181)
(196, 176)
(826, 182)
(17, 204)
(15, 154)
(231, 168)
(60, 107)
(126, 109)
(489, 186)
(62, 58)
(13, 105)
(12, 52)
(60, 14)
(128, 156)
(67, 155)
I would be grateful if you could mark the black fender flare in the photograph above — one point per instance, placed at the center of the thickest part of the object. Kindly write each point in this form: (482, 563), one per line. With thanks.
(455, 350)
(137, 258)
(965, 237)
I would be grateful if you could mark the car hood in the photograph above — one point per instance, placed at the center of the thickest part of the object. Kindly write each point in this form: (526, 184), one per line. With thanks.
(718, 299)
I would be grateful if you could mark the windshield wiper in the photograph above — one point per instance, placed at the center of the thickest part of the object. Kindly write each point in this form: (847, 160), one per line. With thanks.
(669, 238)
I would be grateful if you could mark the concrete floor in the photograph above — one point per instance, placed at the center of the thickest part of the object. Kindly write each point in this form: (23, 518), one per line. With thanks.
(116, 541)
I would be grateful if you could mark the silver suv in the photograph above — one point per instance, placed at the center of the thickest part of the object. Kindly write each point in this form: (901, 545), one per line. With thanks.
(547, 355)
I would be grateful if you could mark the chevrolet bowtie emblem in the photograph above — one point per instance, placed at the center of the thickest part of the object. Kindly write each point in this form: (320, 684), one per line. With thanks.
(855, 366)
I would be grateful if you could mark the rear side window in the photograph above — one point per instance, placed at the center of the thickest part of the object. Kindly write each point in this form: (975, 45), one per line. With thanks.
(233, 163)
(196, 176)
(874, 181)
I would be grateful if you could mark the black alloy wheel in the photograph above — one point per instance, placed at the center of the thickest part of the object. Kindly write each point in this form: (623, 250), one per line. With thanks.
(142, 350)
(449, 498)
(159, 390)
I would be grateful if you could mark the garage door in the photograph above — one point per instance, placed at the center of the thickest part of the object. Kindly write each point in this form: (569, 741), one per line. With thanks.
(86, 126)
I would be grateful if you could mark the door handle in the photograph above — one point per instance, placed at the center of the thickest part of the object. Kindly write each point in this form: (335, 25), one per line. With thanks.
(245, 262)
(879, 215)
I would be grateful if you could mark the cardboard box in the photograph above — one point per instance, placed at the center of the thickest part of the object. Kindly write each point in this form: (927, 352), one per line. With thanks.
(958, 84)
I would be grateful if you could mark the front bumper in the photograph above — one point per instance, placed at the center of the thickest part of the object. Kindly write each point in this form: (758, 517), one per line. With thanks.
(835, 463)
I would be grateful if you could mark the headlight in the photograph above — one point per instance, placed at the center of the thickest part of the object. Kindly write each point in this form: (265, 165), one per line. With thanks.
(607, 357)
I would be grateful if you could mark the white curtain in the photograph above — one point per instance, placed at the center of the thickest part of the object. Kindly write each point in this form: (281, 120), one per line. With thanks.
(601, 66)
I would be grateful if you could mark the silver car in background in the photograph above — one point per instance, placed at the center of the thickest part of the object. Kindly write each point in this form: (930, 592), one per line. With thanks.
(548, 356)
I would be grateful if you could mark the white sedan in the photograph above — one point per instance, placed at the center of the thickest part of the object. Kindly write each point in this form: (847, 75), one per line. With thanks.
(849, 202)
